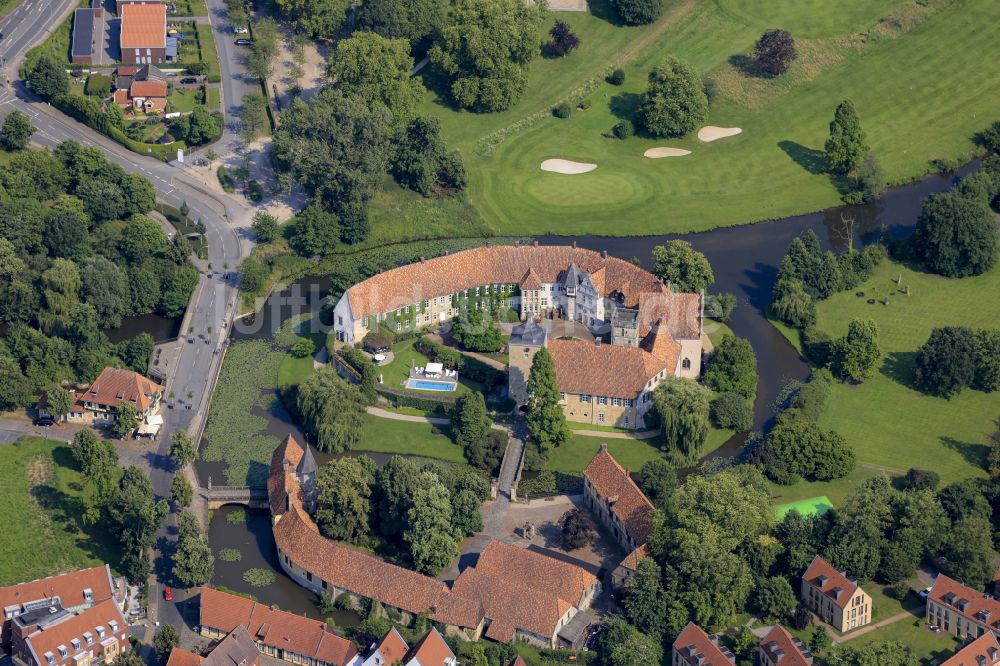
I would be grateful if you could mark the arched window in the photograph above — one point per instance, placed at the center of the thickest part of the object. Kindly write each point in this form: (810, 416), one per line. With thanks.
(686, 364)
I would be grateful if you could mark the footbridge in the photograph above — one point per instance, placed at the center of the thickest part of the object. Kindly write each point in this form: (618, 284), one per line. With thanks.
(252, 497)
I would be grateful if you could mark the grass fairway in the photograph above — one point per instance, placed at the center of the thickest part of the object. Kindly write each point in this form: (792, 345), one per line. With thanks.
(419, 439)
(889, 424)
(41, 499)
(920, 97)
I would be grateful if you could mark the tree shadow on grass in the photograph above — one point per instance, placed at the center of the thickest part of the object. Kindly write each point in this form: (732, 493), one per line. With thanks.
(900, 367)
(625, 105)
(745, 65)
(605, 11)
(973, 452)
(810, 159)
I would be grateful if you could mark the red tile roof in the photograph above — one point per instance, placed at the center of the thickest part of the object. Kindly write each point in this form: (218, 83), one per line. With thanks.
(792, 654)
(612, 482)
(431, 650)
(528, 266)
(556, 578)
(985, 647)
(282, 488)
(392, 647)
(582, 367)
(237, 649)
(696, 647)
(148, 89)
(144, 25)
(62, 633)
(828, 580)
(68, 587)
(281, 629)
(179, 657)
(632, 560)
(979, 608)
(360, 572)
(115, 385)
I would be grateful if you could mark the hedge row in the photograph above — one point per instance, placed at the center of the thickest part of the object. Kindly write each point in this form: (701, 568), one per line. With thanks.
(468, 367)
(438, 406)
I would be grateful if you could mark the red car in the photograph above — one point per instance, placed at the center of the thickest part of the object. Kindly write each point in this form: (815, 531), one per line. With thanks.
(168, 594)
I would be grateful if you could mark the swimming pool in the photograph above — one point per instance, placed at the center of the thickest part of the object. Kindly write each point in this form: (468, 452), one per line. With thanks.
(430, 386)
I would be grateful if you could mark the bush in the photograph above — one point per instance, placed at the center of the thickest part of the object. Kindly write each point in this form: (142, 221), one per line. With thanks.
(226, 180)
(543, 484)
(365, 367)
(563, 110)
(731, 411)
(98, 85)
(622, 130)
(920, 479)
(732, 367)
(809, 400)
(255, 191)
(564, 39)
(617, 77)
(198, 68)
(816, 345)
(303, 347)
(638, 12)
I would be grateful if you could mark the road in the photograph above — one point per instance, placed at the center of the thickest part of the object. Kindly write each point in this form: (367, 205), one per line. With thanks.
(213, 303)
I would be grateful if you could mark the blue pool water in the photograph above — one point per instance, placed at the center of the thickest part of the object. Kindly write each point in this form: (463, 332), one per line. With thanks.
(430, 386)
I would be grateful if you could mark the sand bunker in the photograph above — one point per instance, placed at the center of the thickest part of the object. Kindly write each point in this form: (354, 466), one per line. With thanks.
(711, 132)
(656, 153)
(566, 166)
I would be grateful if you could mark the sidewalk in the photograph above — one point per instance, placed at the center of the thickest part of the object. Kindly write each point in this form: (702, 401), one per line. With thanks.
(647, 434)
(386, 414)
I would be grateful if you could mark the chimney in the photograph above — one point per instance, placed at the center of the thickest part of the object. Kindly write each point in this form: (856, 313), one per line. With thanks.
(574, 245)
(535, 243)
(604, 254)
(604, 447)
(421, 260)
(446, 253)
(597, 342)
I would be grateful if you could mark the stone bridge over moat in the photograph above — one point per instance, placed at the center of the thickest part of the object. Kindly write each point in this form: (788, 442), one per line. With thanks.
(252, 497)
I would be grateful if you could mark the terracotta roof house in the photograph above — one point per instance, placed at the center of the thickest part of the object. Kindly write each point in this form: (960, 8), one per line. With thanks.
(960, 610)
(517, 662)
(99, 402)
(780, 648)
(390, 649)
(49, 635)
(74, 592)
(563, 282)
(143, 90)
(430, 650)
(143, 38)
(984, 651)
(277, 633)
(236, 649)
(559, 579)
(834, 597)
(694, 647)
(616, 500)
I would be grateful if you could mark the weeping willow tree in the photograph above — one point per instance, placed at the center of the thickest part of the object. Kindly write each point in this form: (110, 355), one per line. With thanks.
(682, 406)
(331, 410)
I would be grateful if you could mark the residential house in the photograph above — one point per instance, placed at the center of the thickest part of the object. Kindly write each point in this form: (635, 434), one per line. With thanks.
(430, 650)
(74, 592)
(960, 610)
(47, 634)
(983, 651)
(780, 648)
(88, 34)
(389, 650)
(277, 633)
(623, 509)
(236, 649)
(142, 89)
(120, 3)
(694, 647)
(834, 597)
(99, 403)
(143, 37)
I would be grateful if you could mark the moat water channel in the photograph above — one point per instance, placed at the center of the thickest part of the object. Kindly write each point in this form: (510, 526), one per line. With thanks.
(745, 261)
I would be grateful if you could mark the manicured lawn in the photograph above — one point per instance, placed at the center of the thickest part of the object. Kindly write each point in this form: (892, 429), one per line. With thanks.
(418, 439)
(836, 491)
(927, 646)
(182, 100)
(395, 374)
(771, 170)
(209, 54)
(214, 102)
(888, 423)
(573, 456)
(294, 370)
(41, 499)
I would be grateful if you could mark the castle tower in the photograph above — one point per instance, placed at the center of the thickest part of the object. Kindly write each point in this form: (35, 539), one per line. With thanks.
(525, 341)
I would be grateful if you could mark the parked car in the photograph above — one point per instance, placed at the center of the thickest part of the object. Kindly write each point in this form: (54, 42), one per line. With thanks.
(241, 30)
(924, 593)
(168, 594)
(189, 80)
(243, 41)
(44, 421)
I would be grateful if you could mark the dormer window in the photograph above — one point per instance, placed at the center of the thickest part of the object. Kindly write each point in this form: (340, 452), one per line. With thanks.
(63, 652)
(76, 644)
(89, 637)
(101, 632)
(50, 658)
(114, 625)
(88, 594)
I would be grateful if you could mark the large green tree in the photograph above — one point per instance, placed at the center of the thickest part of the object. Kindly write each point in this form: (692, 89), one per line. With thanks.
(546, 419)
(856, 355)
(316, 18)
(415, 20)
(682, 406)
(421, 162)
(343, 500)
(874, 653)
(802, 448)
(135, 516)
(485, 50)
(847, 145)
(946, 363)
(193, 560)
(377, 70)
(48, 79)
(645, 599)
(183, 449)
(16, 131)
(775, 599)
(638, 12)
(956, 235)
(682, 266)
(430, 530)
(181, 491)
(331, 409)
(127, 420)
(165, 640)
(732, 368)
(104, 285)
(469, 423)
(142, 238)
(968, 551)
(675, 102)
(473, 329)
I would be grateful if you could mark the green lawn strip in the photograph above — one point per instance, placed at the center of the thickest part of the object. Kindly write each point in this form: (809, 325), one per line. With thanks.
(889, 424)
(41, 496)
(836, 491)
(574, 455)
(716, 330)
(381, 435)
(927, 646)
(209, 54)
(214, 100)
(766, 172)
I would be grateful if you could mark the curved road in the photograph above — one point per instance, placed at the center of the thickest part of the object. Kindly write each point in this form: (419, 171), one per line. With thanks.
(214, 301)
